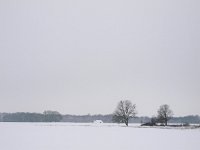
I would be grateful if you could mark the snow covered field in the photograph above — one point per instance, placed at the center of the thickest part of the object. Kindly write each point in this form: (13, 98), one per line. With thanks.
(73, 136)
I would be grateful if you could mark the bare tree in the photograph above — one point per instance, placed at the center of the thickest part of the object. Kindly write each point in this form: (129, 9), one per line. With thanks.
(124, 111)
(164, 114)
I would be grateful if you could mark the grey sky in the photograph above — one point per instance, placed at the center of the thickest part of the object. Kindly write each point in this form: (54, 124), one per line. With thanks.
(83, 56)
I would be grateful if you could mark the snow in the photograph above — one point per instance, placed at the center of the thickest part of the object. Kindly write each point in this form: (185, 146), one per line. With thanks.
(88, 136)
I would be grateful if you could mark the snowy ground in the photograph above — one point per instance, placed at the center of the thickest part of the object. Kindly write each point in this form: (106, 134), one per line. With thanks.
(73, 136)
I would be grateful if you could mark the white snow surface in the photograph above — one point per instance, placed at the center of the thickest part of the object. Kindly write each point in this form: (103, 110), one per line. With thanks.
(89, 136)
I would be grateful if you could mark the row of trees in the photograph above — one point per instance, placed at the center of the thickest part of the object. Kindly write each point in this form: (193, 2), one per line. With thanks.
(47, 116)
(126, 110)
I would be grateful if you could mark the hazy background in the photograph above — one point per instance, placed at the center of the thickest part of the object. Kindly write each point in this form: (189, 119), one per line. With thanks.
(83, 56)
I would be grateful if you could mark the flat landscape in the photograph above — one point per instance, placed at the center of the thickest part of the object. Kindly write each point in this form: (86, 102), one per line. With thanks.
(90, 136)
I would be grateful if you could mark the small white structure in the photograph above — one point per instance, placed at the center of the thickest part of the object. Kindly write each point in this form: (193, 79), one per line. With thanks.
(98, 121)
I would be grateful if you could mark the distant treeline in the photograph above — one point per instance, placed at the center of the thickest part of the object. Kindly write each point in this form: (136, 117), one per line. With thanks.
(47, 116)
(108, 119)
(54, 116)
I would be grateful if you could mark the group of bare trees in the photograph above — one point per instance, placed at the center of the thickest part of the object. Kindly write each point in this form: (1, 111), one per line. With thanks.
(126, 110)
(47, 116)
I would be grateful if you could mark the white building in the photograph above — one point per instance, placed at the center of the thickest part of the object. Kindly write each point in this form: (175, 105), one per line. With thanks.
(98, 121)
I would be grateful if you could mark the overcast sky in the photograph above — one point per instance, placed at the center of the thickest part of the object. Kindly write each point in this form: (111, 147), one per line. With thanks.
(83, 56)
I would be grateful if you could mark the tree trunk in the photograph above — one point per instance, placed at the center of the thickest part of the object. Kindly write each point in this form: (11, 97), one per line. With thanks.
(126, 122)
(165, 122)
